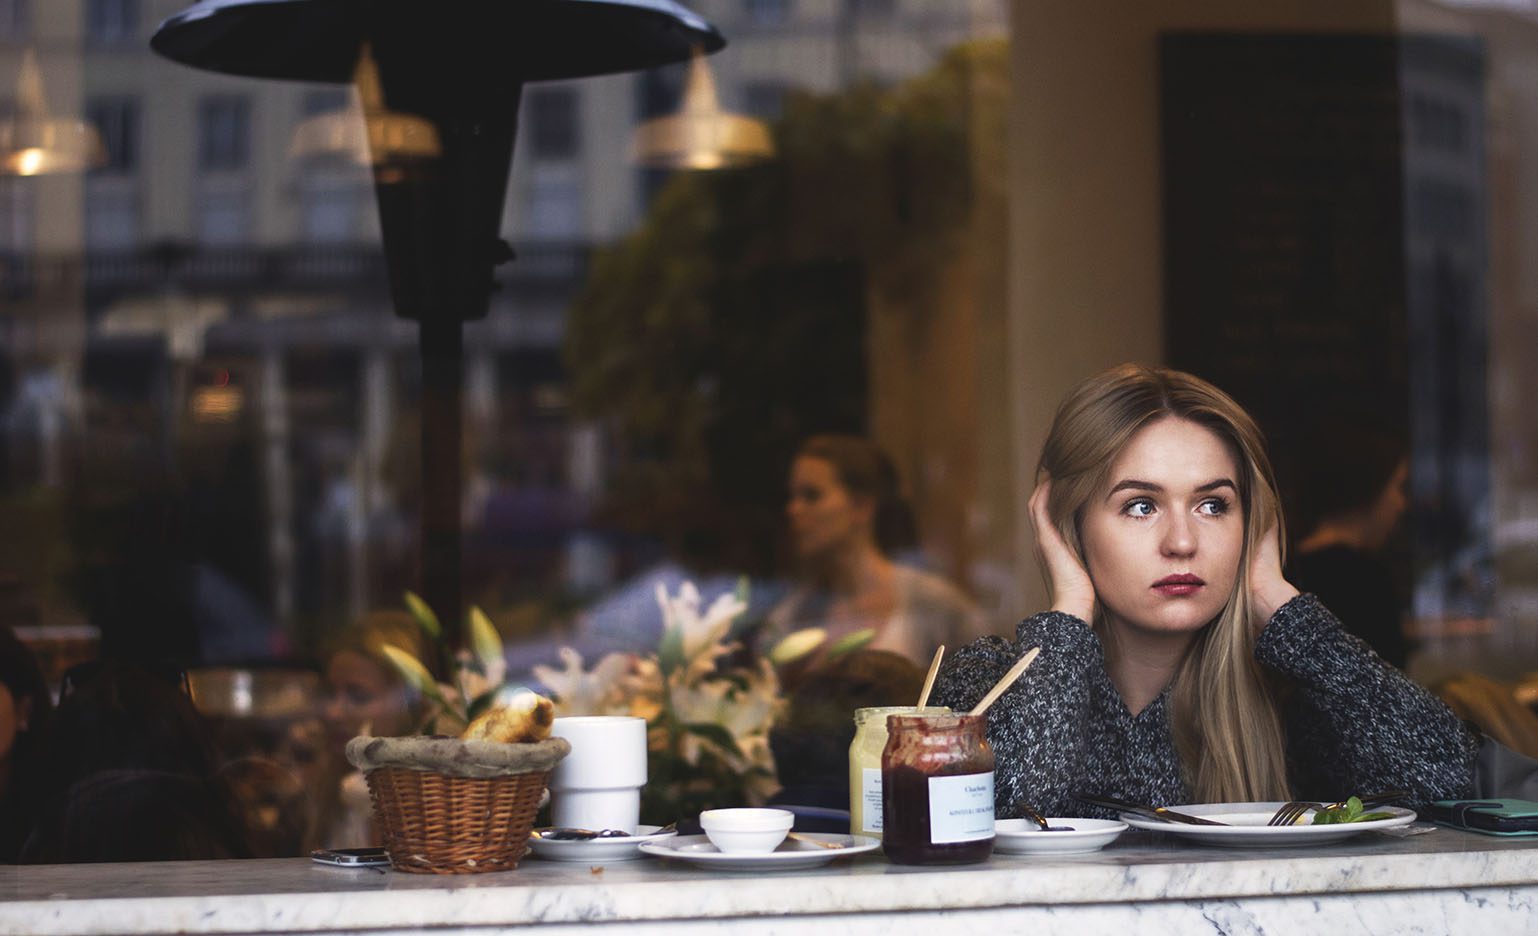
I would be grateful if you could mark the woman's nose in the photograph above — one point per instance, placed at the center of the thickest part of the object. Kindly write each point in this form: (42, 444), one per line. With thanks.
(1179, 536)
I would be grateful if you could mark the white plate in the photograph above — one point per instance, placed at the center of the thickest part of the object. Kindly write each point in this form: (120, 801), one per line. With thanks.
(1025, 837)
(618, 848)
(696, 849)
(1247, 825)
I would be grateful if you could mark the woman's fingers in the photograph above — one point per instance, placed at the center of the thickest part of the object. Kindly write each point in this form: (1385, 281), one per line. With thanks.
(1072, 591)
(1269, 589)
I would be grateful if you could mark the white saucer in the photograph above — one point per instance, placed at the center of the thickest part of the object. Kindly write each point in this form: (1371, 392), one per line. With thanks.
(1025, 837)
(1247, 825)
(617, 848)
(696, 849)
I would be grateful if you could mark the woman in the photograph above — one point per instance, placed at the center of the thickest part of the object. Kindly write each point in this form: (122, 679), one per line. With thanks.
(366, 696)
(1177, 664)
(844, 515)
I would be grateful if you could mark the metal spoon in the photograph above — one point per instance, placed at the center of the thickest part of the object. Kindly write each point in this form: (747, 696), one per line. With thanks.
(1041, 820)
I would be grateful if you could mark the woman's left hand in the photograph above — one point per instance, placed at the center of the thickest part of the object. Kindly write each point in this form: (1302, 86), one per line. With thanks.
(1269, 590)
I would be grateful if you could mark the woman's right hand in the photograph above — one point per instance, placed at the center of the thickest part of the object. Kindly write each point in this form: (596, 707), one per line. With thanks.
(1072, 591)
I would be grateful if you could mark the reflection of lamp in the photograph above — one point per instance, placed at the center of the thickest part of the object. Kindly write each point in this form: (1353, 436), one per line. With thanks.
(700, 135)
(33, 143)
(380, 138)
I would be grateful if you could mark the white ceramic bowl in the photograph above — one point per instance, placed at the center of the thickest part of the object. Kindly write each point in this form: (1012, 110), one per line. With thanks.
(746, 831)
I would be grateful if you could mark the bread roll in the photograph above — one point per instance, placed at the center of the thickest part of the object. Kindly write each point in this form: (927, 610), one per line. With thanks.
(526, 717)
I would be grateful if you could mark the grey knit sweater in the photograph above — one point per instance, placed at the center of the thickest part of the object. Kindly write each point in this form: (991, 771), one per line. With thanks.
(1354, 724)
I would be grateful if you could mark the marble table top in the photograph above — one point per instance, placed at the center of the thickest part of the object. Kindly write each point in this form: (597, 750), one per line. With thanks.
(297, 895)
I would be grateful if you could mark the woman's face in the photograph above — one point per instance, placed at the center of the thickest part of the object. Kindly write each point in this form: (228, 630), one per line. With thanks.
(823, 515)
(1162, 540)
(363, 697)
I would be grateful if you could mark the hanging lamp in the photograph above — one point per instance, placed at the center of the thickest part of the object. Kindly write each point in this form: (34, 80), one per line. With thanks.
(700, 135)
(32, 142)
(379, 137)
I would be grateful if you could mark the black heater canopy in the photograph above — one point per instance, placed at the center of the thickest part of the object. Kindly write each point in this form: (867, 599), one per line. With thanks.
(527, 40)
(460, 64)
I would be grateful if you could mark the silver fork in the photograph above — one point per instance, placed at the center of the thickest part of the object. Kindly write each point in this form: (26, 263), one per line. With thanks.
(1292, 812)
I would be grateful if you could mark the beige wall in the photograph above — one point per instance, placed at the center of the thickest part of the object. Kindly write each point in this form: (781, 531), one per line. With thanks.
(1084, 217)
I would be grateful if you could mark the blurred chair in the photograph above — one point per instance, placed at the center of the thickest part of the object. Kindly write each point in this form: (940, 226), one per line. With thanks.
(1492, 706)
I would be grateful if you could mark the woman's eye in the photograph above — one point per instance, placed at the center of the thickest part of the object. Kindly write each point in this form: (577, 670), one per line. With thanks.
(1213, 507)
(1139, 508)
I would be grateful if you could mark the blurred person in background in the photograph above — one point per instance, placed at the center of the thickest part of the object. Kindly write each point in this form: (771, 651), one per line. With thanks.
(1351, 505)
(25, 710)
(132, 773)
(365, 695)
(846, 519)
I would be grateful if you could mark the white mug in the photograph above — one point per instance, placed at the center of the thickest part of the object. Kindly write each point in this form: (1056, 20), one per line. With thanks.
(598, 785)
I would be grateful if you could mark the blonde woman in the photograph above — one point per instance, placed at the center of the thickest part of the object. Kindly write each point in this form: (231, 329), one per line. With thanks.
(1178, 665)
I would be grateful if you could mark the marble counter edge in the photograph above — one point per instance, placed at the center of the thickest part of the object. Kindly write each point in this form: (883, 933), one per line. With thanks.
(551, 896)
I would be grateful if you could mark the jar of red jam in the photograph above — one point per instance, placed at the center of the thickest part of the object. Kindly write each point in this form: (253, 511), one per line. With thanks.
(937, 790)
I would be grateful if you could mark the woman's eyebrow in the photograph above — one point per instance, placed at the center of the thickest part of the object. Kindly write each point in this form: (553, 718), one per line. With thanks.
(1134, 484)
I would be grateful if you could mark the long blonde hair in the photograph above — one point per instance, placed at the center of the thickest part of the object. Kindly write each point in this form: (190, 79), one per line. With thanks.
(1223, 715)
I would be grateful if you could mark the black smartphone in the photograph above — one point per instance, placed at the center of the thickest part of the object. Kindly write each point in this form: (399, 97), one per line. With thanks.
(351, 857)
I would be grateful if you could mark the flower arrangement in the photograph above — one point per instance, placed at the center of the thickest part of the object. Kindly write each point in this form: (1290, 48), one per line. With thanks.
(708, 719)
(479, 679)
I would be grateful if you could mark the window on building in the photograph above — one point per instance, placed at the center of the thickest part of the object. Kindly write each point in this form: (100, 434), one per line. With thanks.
(552, 122)
(555, 206)
(117, 120)
(111, 214)
(224, 132)
(768, 11)
(333, 202)
(323, 101)
(224, 217)
(15, 19)
(15, 215)
(111, 20)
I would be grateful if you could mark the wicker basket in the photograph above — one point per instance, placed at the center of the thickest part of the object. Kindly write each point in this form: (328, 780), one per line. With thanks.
(438, 824)
(455, 807)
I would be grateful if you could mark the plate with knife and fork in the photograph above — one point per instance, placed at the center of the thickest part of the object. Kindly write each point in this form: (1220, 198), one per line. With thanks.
(1270, 824)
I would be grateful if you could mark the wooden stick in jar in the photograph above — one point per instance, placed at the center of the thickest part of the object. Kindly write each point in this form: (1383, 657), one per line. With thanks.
(929, 681)
(1009, 680)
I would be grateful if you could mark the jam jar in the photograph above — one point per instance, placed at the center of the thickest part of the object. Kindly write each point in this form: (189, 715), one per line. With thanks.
(937, 789)
(865, 763)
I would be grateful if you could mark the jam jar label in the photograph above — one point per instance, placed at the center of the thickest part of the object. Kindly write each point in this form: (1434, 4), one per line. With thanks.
(870, 790)
(960, 808)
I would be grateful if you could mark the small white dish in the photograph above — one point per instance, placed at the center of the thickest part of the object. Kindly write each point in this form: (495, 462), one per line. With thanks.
(1025, 837)
(1247, 825)
(747, 831)
(617, 848)
(792, 853)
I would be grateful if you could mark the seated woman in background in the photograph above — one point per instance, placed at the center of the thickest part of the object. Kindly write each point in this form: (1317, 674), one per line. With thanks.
(1177, 664)
(366, 695)
(132, 774)
(845, 515)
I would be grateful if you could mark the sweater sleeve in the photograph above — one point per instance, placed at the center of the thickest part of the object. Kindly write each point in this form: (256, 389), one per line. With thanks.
(1355, 724)
(1037, 727)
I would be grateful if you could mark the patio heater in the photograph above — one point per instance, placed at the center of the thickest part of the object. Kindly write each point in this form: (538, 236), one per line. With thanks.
(460, 65)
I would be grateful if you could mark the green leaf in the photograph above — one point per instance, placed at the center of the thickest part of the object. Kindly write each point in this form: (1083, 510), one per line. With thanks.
(715, 734)
(485, 642)
(670, 652)
(851, 642)
(797, 645)
(424, 615)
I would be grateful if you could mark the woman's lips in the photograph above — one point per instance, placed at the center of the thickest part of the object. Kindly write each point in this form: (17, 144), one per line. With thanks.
(1174, 586)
